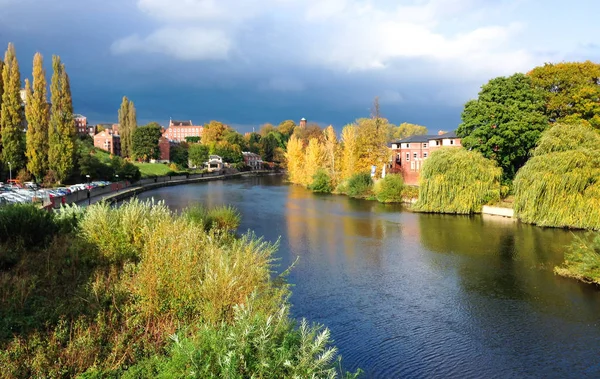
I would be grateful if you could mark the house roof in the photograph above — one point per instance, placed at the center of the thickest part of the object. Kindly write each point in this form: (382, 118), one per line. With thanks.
(427, 137)
(181, 123)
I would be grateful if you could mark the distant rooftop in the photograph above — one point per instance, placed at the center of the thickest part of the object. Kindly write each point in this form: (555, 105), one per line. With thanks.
(181, 123)
(427, 137)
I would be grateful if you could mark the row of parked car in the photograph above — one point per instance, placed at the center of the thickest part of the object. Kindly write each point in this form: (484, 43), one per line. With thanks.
(29, 192)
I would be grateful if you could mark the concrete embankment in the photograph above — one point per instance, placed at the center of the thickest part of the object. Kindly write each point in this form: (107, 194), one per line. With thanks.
(120, 191)
(498, 211)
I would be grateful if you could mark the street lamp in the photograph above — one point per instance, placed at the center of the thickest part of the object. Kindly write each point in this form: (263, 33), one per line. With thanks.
(9, 172)
(118, 185)
(88, 190)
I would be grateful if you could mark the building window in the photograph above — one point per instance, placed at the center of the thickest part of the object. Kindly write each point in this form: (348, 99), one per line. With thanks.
(425, 145)
(415, 155)
(424, 155)
(407, 157)
(398, 156)
(412, 165)
(451, 142)
(437, 143)
(407, 145)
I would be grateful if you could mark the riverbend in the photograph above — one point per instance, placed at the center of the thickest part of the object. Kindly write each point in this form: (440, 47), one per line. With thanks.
(419, 295)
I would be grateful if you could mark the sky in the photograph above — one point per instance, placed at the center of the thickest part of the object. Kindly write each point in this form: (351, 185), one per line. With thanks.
(249, 62)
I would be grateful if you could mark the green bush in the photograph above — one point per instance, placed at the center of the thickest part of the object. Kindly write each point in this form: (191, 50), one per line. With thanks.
(321, 182)
(582, 260)
(26, 224)
(390, 189)
(456, 180)
(225, 218)
(359, 185)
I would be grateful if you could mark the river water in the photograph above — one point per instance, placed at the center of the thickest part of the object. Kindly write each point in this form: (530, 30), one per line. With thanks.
(420, 296)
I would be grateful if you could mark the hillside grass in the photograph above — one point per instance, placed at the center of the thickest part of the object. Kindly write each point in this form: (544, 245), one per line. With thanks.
(153, 169)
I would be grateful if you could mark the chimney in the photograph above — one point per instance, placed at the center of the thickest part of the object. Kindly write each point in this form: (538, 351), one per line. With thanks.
(303, 123)
(441, 132)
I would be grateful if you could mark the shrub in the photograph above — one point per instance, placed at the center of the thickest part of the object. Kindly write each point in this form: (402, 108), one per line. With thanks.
(26, 224)
(582, 260)
(24, 176)
(321, 182)
(455, 180)
(359, 185)
(225, 218)
(390, 189)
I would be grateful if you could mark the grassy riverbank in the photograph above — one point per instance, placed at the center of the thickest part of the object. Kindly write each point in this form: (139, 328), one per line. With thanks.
(140, 291)
(582, 260)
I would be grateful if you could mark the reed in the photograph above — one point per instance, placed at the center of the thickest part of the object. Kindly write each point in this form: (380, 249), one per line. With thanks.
(457, 181)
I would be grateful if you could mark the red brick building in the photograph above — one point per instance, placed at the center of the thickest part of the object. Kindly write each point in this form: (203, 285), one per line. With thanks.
(80, 124)
(109, 141)
(178, 130)
(253, 160)
(409, 154)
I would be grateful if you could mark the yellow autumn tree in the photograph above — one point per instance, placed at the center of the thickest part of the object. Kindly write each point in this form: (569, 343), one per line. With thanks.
(349, 152)
(313, 161)
(330, 151)
(295, 160)
(372, 143)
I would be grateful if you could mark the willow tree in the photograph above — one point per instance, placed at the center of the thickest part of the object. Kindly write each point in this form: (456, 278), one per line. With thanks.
(61, 133)
(11, 120)
(560, 185)
(38, 119)
(458, 181)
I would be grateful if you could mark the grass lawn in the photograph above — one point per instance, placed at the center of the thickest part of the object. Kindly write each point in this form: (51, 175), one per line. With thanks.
(149, 169)
(102, 155)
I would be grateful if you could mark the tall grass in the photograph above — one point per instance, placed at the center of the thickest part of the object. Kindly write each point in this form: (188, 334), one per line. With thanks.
(458, 181)
(96, 301)
(224, 218)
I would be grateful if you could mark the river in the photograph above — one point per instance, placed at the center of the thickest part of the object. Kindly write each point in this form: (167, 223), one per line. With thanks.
(415, 295)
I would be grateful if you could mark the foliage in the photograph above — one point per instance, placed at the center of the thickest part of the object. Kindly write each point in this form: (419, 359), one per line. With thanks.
(359, 185)
(571, 91)
(268, 144)
(582, 260)
(405, 130)
(145, 142)
(27, 225)
(97, 170)
(321, 182)
(224, 218)
(127, 127)
(455, 180)
(229, 153)
(390, 189)
(61, 133)
(38, 119)
(566, 137)
(179, 154)
(349, 151)
(560, 189)
(11, 120)
(256, 345)
(125, 169)
(505, 122)
(295, 159)
(213, 132)
(24, 176)
(313, 160)
(198, 154)
(311, 130)
(192, 139)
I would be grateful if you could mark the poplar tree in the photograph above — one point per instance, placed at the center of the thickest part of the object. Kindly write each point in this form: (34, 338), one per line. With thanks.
(313, 161)
(123, 127)
(1, 85)
(38, 119)
(61, 152)
(295, 160)
(11, 120)
(127, 125)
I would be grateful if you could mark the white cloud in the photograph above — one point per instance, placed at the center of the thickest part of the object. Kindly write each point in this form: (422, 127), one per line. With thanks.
(454, 37)
(391, 97)
(187, 43)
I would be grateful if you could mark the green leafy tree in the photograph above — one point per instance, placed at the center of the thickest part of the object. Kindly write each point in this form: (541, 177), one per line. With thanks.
(192, 139)
(198, 154)
(38, 120)
(61, 134)
(286, 128)
(11, 120)
(125, 169)
(571, 90)
(229, 153)
(268, 144)
(179, 154)
(232, 137)
(505, 122)
(145, 142)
